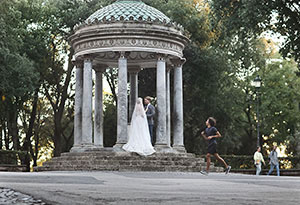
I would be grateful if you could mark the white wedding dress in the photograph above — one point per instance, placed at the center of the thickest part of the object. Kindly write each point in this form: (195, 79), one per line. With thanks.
(139, 137)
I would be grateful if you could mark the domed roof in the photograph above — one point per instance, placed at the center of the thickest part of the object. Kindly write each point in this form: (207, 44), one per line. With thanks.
(126, 10)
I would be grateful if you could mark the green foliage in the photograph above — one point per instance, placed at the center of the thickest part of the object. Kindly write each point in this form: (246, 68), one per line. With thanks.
(11, 157)
(247, 162)
(192, 15)
(147, 82)
(236, 161)
(290, 162)
(110, 121)
(17, 73)
(288, 24)
(279, 100)
(254, 17)
(223, 56)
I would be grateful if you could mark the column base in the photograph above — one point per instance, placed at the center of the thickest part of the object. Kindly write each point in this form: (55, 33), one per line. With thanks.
(76, 148)
(97, 148)
(179, 148)
(118, 147)
(163, 148)
(82, 148)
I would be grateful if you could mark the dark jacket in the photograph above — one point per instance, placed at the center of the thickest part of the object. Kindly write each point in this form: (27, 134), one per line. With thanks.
(150, 112)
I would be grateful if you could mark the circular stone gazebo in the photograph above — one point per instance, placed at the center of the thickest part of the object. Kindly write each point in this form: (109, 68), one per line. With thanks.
(128, 35)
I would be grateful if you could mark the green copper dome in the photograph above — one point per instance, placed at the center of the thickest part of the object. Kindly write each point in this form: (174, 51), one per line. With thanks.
(126, 10)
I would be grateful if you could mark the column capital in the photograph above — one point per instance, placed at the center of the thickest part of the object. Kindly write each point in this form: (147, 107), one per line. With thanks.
(169, 67)
(134, 69)
(89, 57)
(123, 54)
(178, 62)
(161, 56)
(77, 62)
(99, 67)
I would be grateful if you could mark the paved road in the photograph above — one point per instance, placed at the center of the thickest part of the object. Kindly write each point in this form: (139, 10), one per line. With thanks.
(153, 188)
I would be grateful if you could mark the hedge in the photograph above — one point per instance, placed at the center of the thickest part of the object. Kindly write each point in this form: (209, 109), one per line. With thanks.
(247, 162)
(11, 157)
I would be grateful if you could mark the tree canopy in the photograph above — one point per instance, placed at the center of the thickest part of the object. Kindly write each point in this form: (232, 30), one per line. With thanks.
(227, 49)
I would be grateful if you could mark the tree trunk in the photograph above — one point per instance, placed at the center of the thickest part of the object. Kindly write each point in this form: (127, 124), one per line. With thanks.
(27, 143)
(111, 77)
(58, 106)
(1, 136)
(6, 137)
(12, 125)
(36, 149)
(57, 136)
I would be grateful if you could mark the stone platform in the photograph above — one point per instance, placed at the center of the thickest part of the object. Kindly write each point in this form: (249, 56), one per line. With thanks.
(109, 160)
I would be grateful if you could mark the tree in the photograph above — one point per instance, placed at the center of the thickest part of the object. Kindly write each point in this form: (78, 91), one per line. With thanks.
(17, 71)
(59, 18)
(110, 121)
(280, 94)
(258, 16)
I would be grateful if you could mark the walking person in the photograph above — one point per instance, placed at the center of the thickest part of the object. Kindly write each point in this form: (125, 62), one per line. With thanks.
(211, 134)
(274, 161)
(258, 159)
(150, 112)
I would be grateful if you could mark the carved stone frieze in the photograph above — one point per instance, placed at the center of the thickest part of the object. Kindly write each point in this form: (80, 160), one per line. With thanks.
(141, 43)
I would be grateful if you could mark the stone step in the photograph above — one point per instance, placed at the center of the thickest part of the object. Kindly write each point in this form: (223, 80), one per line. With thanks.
(60, 159)
(95, 157)
(111, 152)
(127, 162)
(115, 167)
(98, 156)
(114, 153)
(120, 168)
(123, 161)
(128, 168)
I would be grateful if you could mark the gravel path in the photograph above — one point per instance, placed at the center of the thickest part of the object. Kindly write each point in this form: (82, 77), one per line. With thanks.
(9, 196)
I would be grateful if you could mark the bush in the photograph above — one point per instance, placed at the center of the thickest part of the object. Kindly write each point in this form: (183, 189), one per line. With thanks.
(11, 157)
(247, 162)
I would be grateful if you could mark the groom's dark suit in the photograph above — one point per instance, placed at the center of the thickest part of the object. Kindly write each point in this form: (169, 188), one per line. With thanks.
(150, 112)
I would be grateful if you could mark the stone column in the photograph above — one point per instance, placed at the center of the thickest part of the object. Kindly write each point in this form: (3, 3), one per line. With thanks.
(178, 141)
(87, 126)
(98, 113)
(161, 132)
(133, 79)
(78, 106)
(168, 105)
(122, 106)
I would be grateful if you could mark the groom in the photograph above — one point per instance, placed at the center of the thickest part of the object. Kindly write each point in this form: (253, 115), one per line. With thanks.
(150, 112)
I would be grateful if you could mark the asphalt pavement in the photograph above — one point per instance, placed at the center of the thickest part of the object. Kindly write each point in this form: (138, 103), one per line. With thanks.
(149, 188)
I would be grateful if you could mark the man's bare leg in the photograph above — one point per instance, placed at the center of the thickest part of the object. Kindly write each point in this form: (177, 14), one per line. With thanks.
(220, 159)
(227, 168)
(207, 162)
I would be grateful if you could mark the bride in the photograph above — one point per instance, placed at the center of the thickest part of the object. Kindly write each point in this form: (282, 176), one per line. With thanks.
(139, 137)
